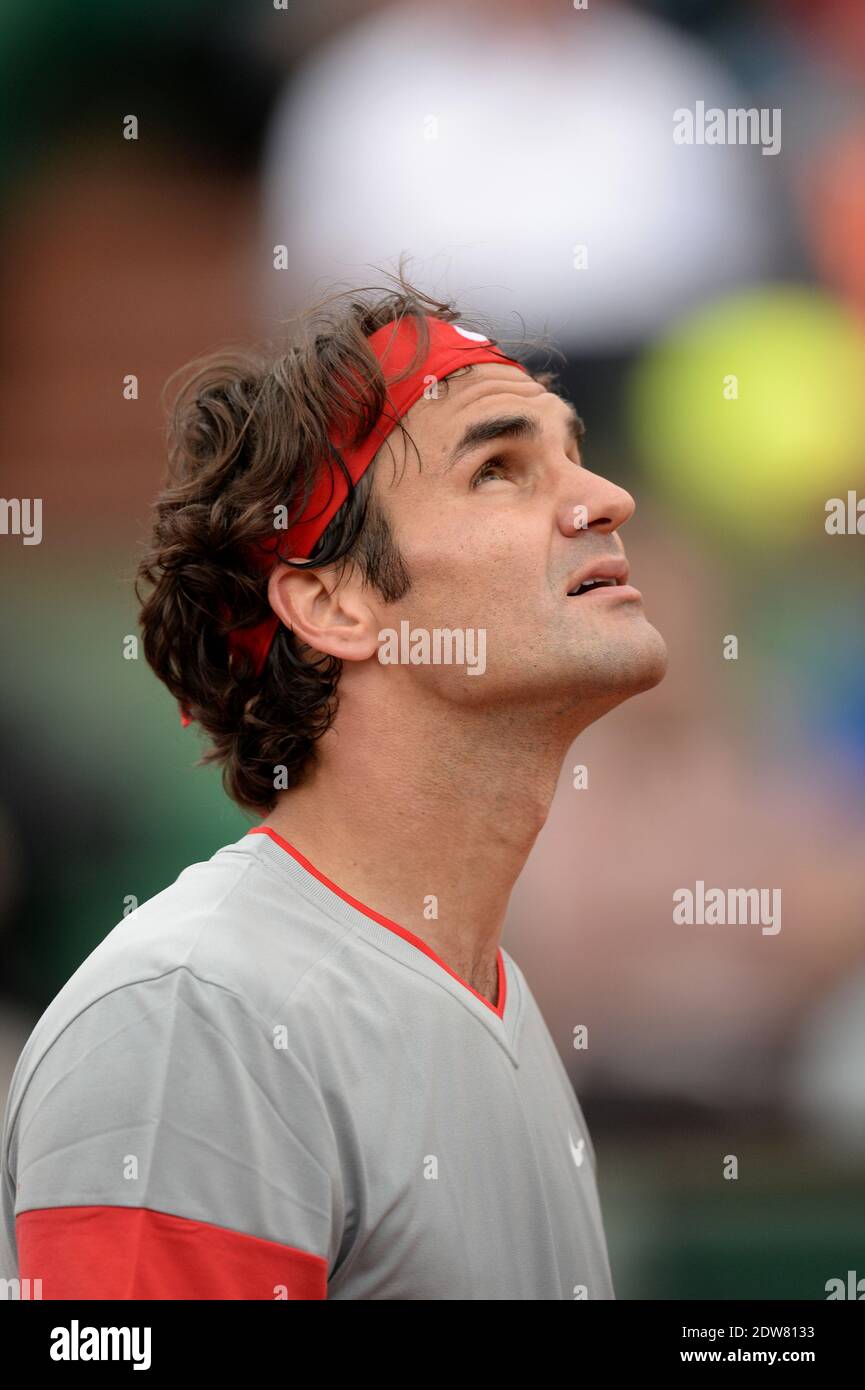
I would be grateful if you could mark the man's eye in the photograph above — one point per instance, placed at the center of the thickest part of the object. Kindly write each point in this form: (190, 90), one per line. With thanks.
(490, 469)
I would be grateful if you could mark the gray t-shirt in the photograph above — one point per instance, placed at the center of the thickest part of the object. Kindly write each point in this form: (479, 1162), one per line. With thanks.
(257, 1087)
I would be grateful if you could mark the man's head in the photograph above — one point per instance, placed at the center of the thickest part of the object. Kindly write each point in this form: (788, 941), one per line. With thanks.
(476, 515)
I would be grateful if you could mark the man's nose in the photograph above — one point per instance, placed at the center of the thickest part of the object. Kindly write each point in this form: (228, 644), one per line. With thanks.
(594, 503)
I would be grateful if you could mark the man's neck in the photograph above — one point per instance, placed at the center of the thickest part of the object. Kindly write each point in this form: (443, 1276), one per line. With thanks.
(428, 821)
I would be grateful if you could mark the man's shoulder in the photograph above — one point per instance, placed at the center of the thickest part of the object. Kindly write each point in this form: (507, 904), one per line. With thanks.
(231, 920)
(178, 1072)
(229, 938)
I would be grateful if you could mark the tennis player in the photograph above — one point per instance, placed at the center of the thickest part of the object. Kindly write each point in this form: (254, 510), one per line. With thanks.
(384, 587)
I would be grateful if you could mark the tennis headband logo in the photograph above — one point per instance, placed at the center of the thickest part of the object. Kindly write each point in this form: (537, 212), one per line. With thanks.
(466, 333)
(395, 346)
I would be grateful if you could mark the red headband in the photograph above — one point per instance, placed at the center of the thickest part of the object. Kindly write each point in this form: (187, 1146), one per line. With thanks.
(395, 345)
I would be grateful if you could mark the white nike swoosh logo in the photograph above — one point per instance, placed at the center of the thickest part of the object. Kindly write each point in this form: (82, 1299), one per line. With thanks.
(576, 1150)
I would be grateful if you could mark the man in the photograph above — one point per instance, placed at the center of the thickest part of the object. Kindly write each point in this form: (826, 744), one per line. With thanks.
(384, 585)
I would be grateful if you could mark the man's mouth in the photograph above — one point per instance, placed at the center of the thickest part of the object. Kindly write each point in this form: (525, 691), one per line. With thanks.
(609, 573)
(591, 584)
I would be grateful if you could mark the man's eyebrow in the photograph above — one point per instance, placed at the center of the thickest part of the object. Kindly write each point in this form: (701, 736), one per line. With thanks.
(508, 427)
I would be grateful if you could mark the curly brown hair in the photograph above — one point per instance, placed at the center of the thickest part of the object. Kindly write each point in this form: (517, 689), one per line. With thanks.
(248, 431)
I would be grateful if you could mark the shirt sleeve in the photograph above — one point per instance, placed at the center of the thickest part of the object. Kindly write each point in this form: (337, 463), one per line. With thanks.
(166, 1147)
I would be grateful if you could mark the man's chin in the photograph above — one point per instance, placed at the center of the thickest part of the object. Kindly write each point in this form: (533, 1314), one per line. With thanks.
(650, 661)
(626, 668)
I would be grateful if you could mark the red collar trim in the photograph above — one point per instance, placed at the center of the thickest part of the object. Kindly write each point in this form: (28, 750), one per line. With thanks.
(416, 941)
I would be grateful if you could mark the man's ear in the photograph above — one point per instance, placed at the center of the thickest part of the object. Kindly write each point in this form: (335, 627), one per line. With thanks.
(326, 611)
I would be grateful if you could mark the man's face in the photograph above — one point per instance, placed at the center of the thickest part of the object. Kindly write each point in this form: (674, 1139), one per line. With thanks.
(494, 535)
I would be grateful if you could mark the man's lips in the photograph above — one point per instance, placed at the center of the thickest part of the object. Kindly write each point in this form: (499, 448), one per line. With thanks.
(610, 577)
(612, 592)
